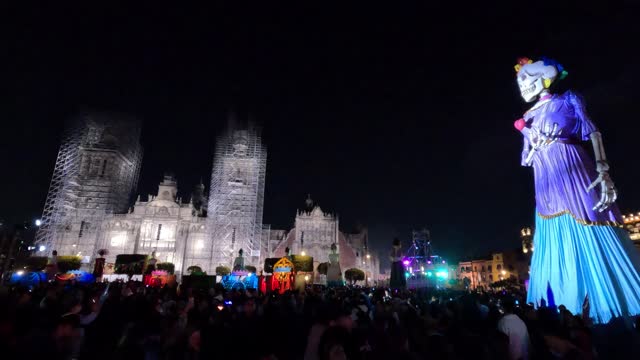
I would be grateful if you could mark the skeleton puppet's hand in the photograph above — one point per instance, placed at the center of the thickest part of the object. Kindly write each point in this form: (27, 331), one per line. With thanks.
(541, 139)
(608, 192)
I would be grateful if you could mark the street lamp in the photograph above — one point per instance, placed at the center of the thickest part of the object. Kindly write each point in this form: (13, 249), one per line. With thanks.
(303, 253)
(38, 222)
(368, 256)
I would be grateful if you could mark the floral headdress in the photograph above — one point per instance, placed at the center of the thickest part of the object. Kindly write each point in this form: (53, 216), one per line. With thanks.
(522, 62)
(562, 73)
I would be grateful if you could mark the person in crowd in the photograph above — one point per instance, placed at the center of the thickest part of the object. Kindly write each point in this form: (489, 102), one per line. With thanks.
(128, 320)
(513, 326)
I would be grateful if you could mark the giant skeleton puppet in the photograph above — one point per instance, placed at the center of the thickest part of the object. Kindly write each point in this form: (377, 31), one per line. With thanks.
(583, 258)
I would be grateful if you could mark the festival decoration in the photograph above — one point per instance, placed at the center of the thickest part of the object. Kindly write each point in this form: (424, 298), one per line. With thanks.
(282, 273)
(76, 275)
(580, 247)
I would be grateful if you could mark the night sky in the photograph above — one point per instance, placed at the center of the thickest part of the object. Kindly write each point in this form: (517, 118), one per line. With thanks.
(395, 118)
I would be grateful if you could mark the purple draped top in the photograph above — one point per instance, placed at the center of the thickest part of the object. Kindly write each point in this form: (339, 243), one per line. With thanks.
(564, 170)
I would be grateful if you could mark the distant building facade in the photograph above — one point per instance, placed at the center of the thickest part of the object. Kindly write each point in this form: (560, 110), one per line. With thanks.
(90, 207)
(632, 225)
(313, 233)
(483, 272)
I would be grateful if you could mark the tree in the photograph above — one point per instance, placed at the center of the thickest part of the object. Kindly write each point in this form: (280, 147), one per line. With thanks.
(509, 283)
(251, 269)
(302, 263)
(222, 270)
(195, 270)
(130, 264)
(323, 268)
(32, 263)
(68, 263)
(354, 275)
(166, 266)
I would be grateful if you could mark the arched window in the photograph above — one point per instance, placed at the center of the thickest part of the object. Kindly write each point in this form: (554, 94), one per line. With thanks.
(499, 267)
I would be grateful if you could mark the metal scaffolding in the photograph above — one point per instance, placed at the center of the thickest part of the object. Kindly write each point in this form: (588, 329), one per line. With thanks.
(236, 197)
(419, 253)
(95, 174)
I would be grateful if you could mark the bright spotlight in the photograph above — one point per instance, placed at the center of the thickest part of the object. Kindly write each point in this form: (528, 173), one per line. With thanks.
(303, 253)
(42, 248)
(38, 222)
(306, 278)
(19, 272)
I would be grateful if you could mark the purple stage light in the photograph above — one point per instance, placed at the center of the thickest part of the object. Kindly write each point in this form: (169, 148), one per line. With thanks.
(406, 262)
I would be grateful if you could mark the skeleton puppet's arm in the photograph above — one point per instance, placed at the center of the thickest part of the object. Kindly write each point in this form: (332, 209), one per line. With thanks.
(608, 193)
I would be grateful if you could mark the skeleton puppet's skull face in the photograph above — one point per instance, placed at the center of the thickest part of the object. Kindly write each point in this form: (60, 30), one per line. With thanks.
(535, 77)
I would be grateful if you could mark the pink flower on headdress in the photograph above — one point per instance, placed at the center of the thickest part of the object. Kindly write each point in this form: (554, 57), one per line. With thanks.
(522, 62)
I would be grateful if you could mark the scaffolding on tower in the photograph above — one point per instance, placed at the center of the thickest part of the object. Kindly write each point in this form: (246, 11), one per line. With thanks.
(237, 196)
(81, 189)
(418, 255)
(422, 267)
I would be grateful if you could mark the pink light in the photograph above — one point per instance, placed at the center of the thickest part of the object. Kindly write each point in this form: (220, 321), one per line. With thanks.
(443, 261)
(429, 262)
(406, 262)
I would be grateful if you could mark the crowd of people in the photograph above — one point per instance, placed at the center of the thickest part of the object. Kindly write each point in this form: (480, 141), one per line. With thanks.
(132, 321)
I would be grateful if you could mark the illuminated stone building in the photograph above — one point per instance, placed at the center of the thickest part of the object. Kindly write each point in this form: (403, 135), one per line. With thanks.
(313, 233)
(632, 225)
(88, 207)
(482, 272)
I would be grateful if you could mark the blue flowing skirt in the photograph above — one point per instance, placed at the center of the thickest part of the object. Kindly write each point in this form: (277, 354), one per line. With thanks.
(572, 261)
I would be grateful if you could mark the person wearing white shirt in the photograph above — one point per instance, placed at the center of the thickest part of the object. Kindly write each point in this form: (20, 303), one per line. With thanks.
(512, 326)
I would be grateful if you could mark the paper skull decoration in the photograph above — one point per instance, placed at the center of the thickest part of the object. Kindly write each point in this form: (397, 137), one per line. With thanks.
(534, 77)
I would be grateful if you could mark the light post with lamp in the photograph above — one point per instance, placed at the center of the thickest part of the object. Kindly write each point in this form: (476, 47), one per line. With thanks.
(368, 270)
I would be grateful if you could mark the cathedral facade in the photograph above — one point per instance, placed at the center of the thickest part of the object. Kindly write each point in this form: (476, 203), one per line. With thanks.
(313, 234)
(88, 207)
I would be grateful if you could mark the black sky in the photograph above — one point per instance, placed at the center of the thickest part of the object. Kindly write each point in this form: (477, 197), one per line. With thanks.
(396, 118)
